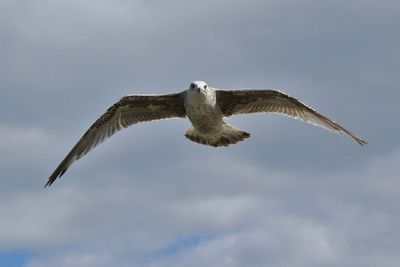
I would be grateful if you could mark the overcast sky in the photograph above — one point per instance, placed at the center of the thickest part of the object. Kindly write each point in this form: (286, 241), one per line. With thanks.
(291, 195)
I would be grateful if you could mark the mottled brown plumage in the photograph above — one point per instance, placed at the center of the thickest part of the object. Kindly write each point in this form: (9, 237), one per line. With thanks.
(127, 111)
(205, 107)
(243, 101)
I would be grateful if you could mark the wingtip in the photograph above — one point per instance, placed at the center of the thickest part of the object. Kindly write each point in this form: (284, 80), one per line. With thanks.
(361, 141)
(50, 182)
(54, 177)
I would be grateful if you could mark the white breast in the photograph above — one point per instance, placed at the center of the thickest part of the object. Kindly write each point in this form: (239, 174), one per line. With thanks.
(203, 113)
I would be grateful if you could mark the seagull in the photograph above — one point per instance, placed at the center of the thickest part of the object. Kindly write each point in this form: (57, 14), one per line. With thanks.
(205, 107)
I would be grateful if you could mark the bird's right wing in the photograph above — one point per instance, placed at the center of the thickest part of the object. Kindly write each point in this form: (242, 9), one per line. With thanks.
(266, 100)
(128, 110)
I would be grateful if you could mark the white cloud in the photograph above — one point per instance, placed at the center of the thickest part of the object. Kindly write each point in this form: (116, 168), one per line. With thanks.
(250, 217)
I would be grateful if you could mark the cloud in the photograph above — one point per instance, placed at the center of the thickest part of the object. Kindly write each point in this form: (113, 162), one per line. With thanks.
(23, 150)
(292, 194)
(252, 217)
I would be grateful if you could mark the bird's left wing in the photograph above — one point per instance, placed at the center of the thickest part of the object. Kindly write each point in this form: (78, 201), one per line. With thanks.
(128, 110)
(234, 102)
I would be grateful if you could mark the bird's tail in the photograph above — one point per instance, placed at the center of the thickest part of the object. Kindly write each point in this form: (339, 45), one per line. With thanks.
(229, 135)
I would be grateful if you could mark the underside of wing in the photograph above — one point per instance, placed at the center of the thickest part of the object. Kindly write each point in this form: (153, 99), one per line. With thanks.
(251, 101)
(127, 111)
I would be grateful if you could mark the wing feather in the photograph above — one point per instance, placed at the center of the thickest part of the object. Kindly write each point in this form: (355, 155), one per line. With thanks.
(129, 110)
(250, 101)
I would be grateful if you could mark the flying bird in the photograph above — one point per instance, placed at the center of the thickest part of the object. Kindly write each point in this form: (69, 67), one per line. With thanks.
(205, 107)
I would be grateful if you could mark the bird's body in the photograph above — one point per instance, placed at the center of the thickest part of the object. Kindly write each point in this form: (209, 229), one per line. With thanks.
(202, 110)
(205, 114)
(205, 107)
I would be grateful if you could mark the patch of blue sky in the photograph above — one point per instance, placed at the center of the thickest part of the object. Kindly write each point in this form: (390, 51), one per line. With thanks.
(14, 258)
(181, 244)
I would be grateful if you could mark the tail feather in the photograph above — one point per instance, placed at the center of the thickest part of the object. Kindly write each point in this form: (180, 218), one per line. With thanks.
(229, 135)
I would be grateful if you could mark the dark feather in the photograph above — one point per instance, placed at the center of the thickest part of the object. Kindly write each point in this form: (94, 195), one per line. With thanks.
(234, 102)
(127, 111)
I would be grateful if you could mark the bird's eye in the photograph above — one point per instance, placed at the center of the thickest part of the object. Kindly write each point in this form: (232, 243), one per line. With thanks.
(205, 86)
(192, 86)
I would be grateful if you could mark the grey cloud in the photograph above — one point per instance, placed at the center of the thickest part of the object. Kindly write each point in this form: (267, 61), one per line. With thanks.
(290, 190)
(279, 218)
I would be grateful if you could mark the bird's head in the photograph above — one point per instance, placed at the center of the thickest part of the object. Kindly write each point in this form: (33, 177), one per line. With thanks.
(199, 87)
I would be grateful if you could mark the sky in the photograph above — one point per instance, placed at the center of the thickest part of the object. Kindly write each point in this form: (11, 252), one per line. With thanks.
(291, 195)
